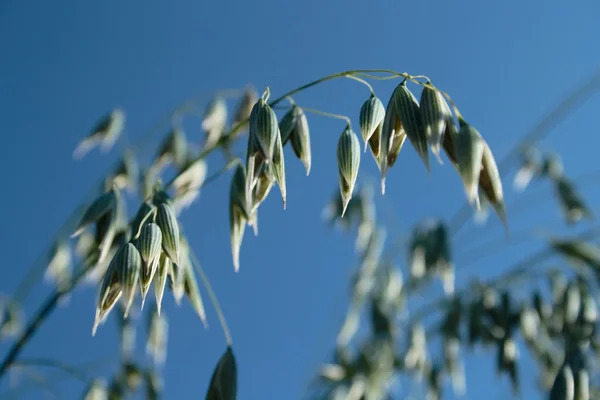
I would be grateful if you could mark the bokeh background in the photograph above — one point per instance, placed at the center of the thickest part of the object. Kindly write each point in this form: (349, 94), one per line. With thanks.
(64, 64)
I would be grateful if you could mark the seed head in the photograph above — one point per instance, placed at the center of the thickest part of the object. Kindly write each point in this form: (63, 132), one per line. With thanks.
(294, 127)
(215, 120)
(392, 138)
(372, 115)
(245, 105)
(264, 129)
(110, 292)
(167, 222)
(128, 263)
(434, 114)
(278, 167)
(237, 214)
(469, 157)
(348, 160)
(409, 114)
(160, 279)
(223, 383)
(149, 245)
(105, 133)
(192, 292)
(105, 203)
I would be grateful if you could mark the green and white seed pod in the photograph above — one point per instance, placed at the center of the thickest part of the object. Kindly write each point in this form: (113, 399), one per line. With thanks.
(237, 214)
(149, 245)
(493, 183)
(392, 138)
(372, 114)
(300, 137)
(128, 263)
(434, 114)
(469, 157)
(264, 129)
(192, 292)
(109, 294)
(348, 160)
(167, 222)
(278, 167)
(409, 114)
(160, 279)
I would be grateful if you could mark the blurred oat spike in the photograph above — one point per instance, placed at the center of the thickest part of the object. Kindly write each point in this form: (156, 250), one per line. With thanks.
(348, 160)
(372, 115)
(215, 121)
(392, 139)
(127, 174)
(97, 390)
(149, 245)
(60, 264)
(237, 213)
(160, 279)
(294, 128)
(158, 333)
(528, 169)
(244, 108)
(105, 134)
(106, 202)
(571, 202)
(187, 185)
(491, 184)
(409, 114)
(563, 387)
(435, 113)
(173, 150)
(167, 222)
(11, 318)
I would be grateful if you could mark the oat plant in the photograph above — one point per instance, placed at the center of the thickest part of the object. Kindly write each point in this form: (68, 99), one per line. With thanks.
(128, 240)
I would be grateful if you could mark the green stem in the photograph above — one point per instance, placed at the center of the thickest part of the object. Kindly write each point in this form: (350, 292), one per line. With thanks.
(329, 115)
(363, 82)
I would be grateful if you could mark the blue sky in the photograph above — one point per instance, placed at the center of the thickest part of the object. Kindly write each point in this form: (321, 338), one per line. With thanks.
(66, 63)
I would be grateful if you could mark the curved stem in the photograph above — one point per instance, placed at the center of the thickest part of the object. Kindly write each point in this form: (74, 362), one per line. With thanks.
(367, 84)
(212, 297)
(329, 115)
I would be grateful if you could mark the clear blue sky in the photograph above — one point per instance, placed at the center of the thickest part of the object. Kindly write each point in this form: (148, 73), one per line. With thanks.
(65, 63)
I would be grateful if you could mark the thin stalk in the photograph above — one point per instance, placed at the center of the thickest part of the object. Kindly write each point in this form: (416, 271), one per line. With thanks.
(39, 317)
(329, 115)
(363, 82)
